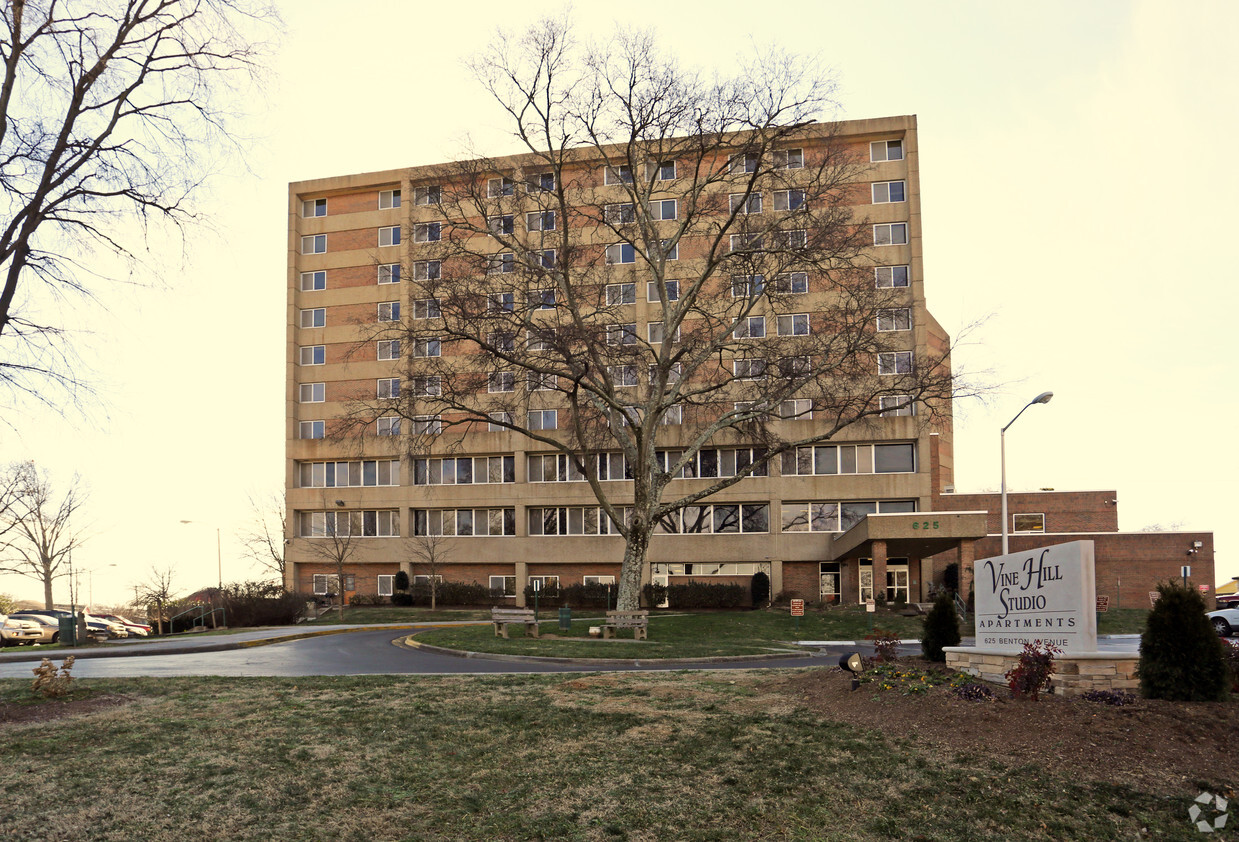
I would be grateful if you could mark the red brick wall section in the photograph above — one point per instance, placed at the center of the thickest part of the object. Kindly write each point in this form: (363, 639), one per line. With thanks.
(801, 581)
(1065, 511)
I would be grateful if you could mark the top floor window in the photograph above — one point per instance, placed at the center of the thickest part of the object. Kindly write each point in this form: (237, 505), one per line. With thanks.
(428, 195)
(886, 150)
(619, 174)
(497, 187)
(789, 159)
(745, 162)
(316, 244)
(666, 170)
(389, 199)
(889, 191)
(543, 182)
(314, 207)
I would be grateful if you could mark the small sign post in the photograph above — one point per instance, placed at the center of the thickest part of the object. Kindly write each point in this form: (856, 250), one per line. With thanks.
(797, 612)
(871, 607)
(1186, 570)
(537, 586)
(1103, 604)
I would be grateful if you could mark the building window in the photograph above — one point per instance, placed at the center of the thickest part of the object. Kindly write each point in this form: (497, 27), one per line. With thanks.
(789, 159)
(501, 264)
(313, 392)
(428, 347)
(313, 354)
(895, 362)
(621, 253)
(315, 244)
(657, 332)
(311, 430)
(673, 374)
(540, 221)
(886, 150)
(543, 182)
(620, 174)
(895, 405)
(385, 584)
(621, 294)
(799, 409)
(622, 334)
(749, 369)
(747, 286)
(619, 213)
(663, 209)
(389, 311)
(502, 224)
(885, 192)
(718, 519)
(541, 382)
(367, 473)
(503, 586)
(389, 199)
(667, 250)
(426, 270)
(389, 387)
(791, 283)
(543, 584)
(890, 234)
(499, 422)
(324, 583)
(427, 232)
(427, 425)
(889, 277)
(497, 187)
(796, 238)
(431, 194)
(313, 281)
(622, 376)
(540, 339)
(792, 367)
(745, 242)
(672, 289)
(896, 319)
(389, 235)
(389, 273)
(388, 426)
(501, 302)
(573, 520)
(750, 327)
(427, 386)
(788, 200)
(745, 162)
(465, 470)
(314, 318)
(542, 299)
(600, 580)
(830, 459)
(389, 349)
(1028, 523)
(425, 308)
(314, 207)
(368, 523)
(743, 203)
(543, 419)
(711, 462)
(501, 381)
(794, 325)
(464, 523)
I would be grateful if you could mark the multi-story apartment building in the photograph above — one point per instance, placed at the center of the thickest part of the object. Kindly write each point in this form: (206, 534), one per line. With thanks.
(825, 520)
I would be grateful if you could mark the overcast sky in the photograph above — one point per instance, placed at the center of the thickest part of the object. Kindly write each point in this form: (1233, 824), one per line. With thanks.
(1076, 203)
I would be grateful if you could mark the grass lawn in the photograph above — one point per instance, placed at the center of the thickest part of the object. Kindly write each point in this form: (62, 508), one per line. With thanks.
(685, 756)
(382, 614)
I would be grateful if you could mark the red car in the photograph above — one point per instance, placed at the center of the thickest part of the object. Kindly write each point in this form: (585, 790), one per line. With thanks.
(134, 629)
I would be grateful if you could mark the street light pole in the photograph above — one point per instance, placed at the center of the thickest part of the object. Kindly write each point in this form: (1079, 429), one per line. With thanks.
(1044, 397)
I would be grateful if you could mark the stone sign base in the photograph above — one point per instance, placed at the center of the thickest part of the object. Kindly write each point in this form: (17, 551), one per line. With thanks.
(1073, 674)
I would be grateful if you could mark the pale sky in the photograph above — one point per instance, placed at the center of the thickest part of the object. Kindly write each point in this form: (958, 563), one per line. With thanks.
(1075, 202)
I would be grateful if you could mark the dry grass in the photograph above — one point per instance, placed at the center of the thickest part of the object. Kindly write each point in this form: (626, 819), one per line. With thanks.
(696, 756)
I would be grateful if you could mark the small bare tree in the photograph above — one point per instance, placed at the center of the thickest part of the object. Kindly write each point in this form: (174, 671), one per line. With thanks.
(38, 530)
(334, 541)
(111, 114)
(430, 552)
(156, 591)
(263, 539)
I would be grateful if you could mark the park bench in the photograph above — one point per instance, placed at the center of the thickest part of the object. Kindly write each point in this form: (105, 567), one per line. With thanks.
(504, 617)
(638, 621)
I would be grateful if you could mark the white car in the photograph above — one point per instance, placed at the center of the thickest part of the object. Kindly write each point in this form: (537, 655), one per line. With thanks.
(1225, 621)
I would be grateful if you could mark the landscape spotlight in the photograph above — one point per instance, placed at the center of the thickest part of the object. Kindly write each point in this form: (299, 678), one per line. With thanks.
(853, 664)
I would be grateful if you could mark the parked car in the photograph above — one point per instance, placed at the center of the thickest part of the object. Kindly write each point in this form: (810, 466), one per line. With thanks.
(48, 626)
(134, 629)
(1225, 621)
(116, 631)
(18, 630)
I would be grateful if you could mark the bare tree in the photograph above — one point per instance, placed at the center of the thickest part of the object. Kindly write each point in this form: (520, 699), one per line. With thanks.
(263, 539)
(642, 179)
(111, 114)
(430, 552)
(38, 530)
(157, 590)
(334, 540)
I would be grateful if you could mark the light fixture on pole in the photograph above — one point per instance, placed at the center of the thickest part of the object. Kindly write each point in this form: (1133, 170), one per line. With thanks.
(1044, 397)
(219, 554)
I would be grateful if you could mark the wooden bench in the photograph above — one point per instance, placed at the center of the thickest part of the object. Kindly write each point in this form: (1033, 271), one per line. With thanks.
(638, 621)
(504, 617)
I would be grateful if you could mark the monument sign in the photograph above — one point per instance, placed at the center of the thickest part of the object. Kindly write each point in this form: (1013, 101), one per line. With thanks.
(1047, 594)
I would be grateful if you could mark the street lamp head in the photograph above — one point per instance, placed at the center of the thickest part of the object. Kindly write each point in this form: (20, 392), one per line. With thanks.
(1044, 397)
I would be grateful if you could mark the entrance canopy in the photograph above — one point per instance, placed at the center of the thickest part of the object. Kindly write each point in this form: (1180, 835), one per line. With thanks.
(918, 535)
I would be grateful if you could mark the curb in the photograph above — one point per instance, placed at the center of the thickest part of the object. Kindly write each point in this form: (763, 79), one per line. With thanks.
(410, 643)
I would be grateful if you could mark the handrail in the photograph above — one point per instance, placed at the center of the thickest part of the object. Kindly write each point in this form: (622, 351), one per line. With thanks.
(961, 607)
(206, 611)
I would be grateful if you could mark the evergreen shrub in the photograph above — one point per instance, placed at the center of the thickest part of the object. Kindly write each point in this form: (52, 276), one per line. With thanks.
(941, 628)
(1181, 656)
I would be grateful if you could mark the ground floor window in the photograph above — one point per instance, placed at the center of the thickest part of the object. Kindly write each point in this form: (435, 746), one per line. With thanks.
(712, 568)
(503, 585)
(598, 580)
(897, 580)
(544, 584)
(386, 585)
(324, 583)
(828, 590)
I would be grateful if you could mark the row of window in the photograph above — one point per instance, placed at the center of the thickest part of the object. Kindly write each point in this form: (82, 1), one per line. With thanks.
(464, 522)
(464, 470)
(828, 459)
(354, 474)
(368, 523)
(747, 162)
(837, 516)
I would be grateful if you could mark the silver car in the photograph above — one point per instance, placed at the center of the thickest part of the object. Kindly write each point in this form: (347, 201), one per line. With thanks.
(1225, 621)
(16, 630)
